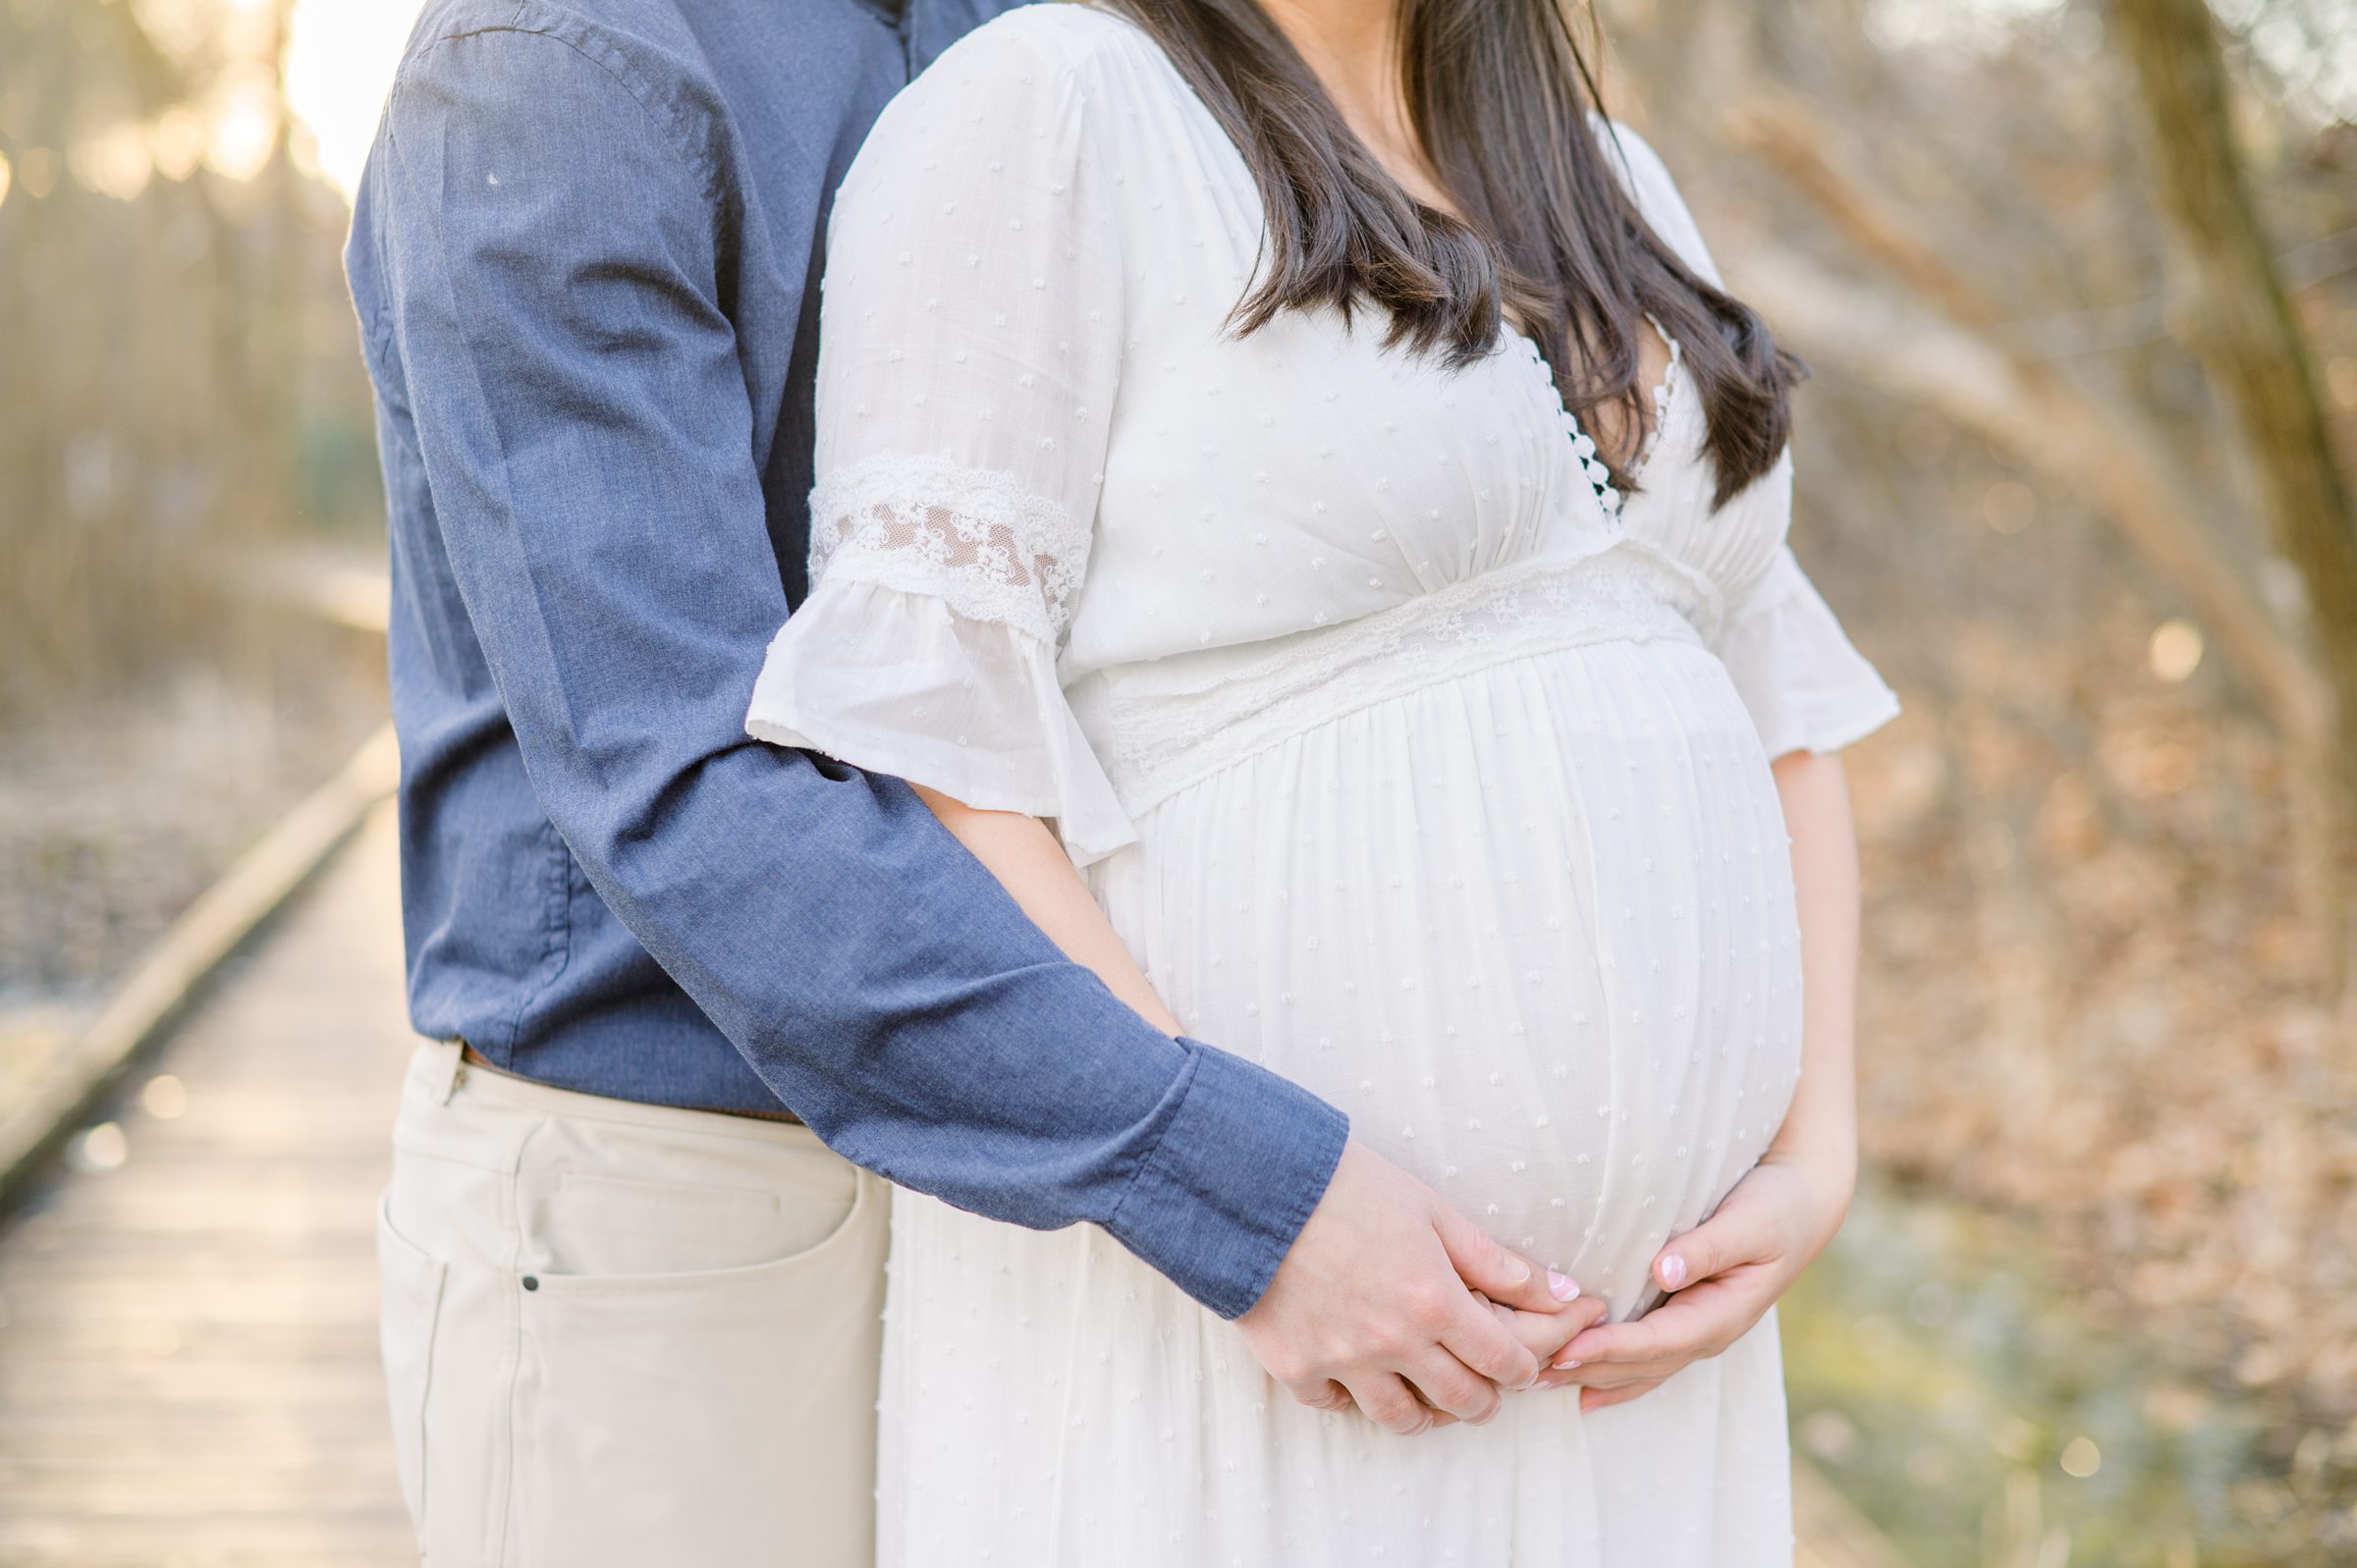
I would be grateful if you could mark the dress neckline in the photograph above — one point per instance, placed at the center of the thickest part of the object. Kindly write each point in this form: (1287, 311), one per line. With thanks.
(1583, 445)
(1665, 393)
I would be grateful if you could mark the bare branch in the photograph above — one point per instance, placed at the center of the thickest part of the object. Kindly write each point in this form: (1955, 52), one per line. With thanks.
(1915, 354)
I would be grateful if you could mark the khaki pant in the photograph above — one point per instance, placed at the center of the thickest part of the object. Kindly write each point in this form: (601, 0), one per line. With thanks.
(626, 1335)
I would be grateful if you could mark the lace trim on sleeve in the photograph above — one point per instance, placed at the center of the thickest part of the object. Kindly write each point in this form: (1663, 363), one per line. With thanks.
(977, 539)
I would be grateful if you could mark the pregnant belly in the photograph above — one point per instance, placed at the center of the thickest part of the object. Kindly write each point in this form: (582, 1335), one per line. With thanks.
(1532, 928)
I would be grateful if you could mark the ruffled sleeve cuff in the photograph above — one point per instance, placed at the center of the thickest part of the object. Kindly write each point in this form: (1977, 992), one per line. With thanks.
(899, 683)
(1808, 689)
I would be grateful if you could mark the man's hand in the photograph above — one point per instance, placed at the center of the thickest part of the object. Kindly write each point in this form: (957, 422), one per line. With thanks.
(1723, 1275)
(1545, 1334)
(1376, 1304)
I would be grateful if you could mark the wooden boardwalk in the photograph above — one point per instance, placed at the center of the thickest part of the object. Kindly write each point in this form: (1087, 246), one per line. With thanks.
(188, 1341)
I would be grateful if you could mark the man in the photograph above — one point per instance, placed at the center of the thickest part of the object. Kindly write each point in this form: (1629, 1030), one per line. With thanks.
(629, 1298)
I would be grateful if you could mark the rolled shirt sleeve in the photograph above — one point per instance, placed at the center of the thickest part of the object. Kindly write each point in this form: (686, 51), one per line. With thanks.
(554, 270)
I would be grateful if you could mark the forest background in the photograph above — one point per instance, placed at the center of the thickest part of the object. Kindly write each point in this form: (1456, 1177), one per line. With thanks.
(2078, 283)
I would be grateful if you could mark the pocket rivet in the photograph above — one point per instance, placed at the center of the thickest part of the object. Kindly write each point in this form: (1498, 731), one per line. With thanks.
(532, 1281)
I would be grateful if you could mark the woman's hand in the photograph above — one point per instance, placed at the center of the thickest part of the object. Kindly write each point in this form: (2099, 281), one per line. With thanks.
(1546, 1333)
(1722, 1276)
(1724, 1273)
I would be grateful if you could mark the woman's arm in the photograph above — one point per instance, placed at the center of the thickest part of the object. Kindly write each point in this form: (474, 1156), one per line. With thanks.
(1725, 1274)
(1820, 1128)
(1035, 871)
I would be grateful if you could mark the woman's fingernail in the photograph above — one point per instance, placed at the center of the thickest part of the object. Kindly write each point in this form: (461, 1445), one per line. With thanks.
(1516, 1271)
(1566, 1363)
(1673, 1270)
(1562, 1286)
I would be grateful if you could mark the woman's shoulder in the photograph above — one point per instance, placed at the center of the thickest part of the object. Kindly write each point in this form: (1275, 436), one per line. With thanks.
(1049, 43)
(1001, 124)
(1029, 92)
(1648, 182)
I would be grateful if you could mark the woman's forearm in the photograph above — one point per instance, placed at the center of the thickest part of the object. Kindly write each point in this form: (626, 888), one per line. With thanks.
(1821, 1129)
(1035, 871)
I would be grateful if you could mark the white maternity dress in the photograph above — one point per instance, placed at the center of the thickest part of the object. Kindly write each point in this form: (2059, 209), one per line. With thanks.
(1402, 765)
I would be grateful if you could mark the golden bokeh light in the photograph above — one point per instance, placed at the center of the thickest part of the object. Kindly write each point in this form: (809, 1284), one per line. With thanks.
(2175, 651)
(243, 130)
(116, 162)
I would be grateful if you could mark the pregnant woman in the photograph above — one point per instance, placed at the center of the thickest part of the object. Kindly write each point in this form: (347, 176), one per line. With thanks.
(1296, 501)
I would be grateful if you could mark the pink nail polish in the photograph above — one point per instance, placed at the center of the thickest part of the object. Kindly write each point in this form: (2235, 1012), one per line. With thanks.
(1562, 1286)
(1673, 1270)
(1565, 1366)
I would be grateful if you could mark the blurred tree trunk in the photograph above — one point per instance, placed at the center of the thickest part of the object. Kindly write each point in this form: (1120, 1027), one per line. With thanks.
(2238, 320)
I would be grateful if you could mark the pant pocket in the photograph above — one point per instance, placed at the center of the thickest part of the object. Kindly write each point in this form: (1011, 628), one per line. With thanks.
(713, 1416)
(410, 1308)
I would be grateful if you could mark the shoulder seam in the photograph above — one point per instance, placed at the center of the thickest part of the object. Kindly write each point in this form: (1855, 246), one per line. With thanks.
(608, 57)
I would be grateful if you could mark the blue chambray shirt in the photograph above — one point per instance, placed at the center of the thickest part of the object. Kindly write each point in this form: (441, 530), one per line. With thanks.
(585, 259)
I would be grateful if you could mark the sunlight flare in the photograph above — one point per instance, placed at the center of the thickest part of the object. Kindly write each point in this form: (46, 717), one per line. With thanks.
(340, 63)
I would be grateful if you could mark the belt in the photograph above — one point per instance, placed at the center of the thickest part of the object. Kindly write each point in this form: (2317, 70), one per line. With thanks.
(476, 1059)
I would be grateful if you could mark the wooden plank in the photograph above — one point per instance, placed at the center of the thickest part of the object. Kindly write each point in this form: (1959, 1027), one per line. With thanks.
(311, 1540)
(187, 1342)
(98, 1430)
(116, 1282)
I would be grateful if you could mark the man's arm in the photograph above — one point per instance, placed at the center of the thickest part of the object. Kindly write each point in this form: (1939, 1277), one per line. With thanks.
(553, 283)
(1328, 1328)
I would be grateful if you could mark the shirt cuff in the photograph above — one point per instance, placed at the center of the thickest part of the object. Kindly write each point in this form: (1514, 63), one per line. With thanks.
(1215, 1205)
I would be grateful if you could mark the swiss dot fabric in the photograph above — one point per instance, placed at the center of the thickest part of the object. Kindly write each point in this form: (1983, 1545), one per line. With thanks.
(1403, 763)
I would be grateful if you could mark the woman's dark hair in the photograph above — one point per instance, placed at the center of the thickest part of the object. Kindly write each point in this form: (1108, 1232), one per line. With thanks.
(1499, 92)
